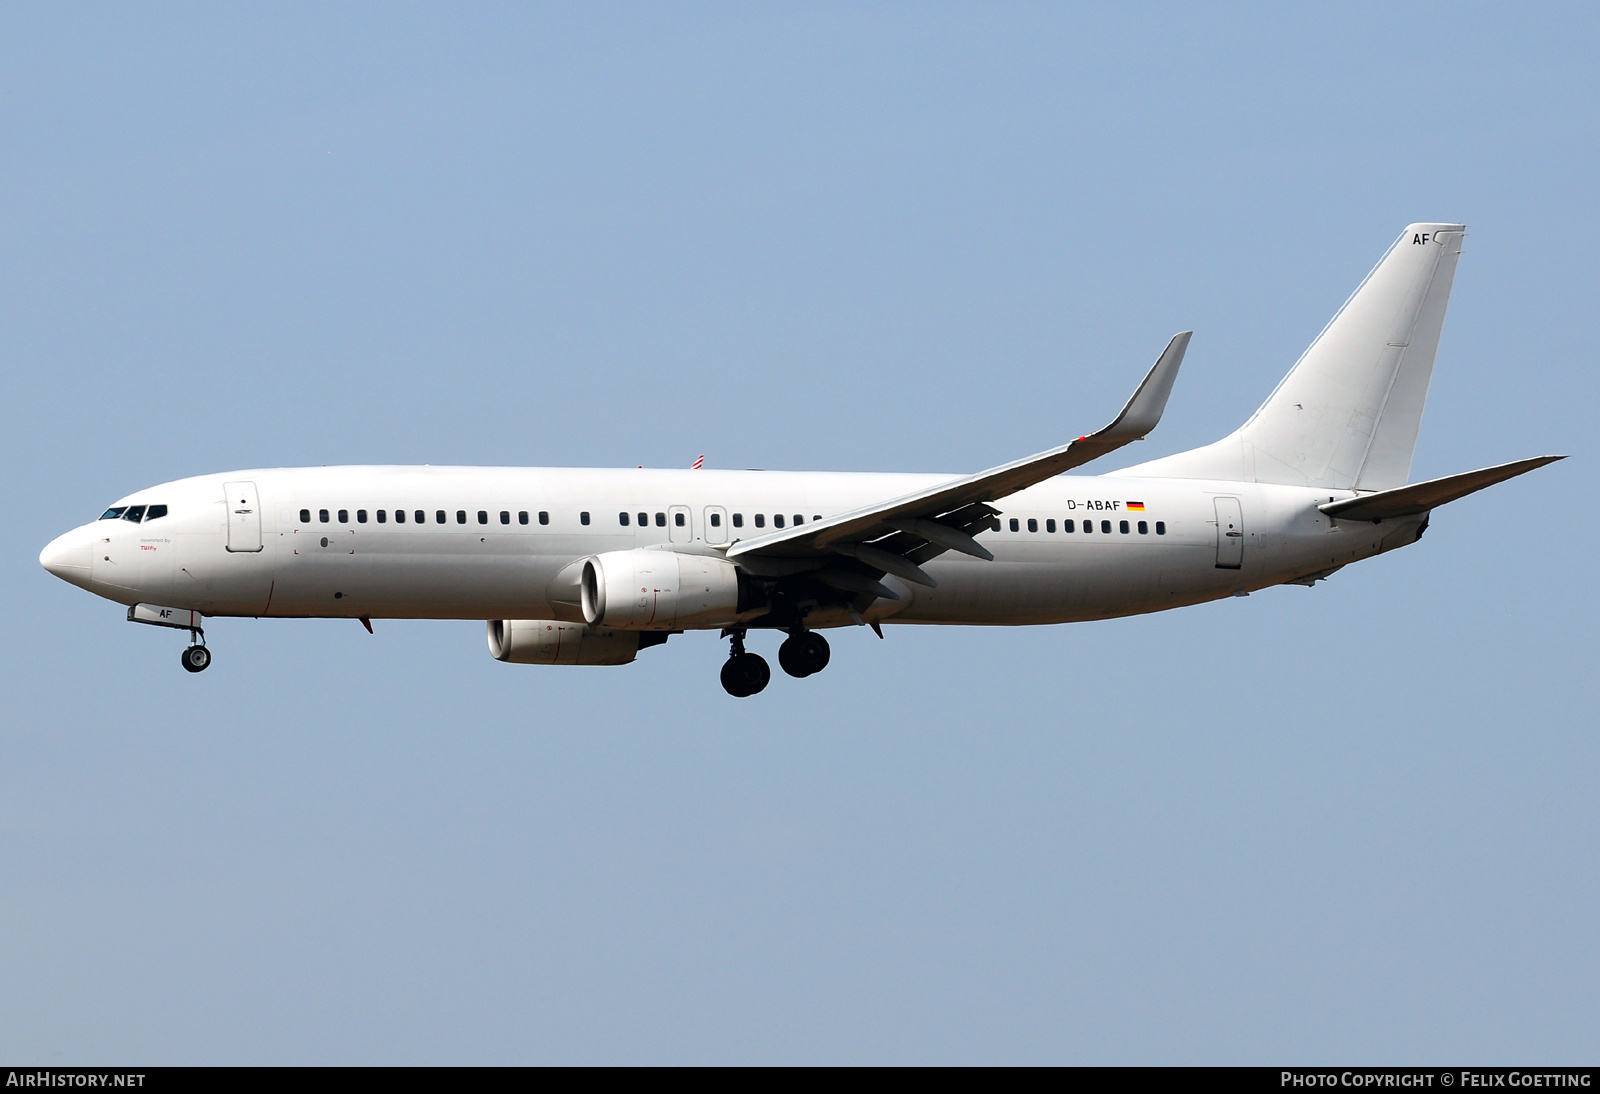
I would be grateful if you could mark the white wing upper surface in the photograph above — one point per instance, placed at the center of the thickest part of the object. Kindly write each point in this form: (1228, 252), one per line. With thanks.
(962, 504)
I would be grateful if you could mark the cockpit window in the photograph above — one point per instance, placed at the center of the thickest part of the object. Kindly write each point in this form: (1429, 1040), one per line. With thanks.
(154, 512)
(113, 514)
(134, 513)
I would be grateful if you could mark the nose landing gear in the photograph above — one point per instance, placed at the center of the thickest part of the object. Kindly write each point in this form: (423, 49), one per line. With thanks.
(196, 658)
(744, 674)
(803, 653)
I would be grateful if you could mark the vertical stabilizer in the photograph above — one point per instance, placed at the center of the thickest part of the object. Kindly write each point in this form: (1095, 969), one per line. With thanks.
(1346, 416)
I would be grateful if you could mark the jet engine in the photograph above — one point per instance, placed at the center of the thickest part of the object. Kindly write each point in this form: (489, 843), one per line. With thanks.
(658, 590)
(551, 642)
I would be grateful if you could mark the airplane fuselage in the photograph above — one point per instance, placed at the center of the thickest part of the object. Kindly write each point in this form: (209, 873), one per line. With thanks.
(491, 543)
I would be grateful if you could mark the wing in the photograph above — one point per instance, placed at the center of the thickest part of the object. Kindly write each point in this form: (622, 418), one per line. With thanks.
(1408, 501)
(894, 535)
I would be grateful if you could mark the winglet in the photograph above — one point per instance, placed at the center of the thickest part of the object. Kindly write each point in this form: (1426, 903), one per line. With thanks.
(1143, 411)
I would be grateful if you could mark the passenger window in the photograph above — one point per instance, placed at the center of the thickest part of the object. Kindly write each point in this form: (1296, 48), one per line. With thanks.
(777, 520)
(1033, 525)
(383, 516)
(583, 518)
(644, 520)
(322, 515)
(995, 527)
(661, 520)
(483, 516)
(816, 516)
(113, 514)
(420, 517)
(399, 516)
(1088, 526)
(761, 520)
(1050, 525)
(798, 519)
(505, 516)
(716, 520)
(440, 517)
(1016, 525)
(738, 520)
(544, 517)
(155, 512)
(1105, 526)
(1122, 526)
(622, 519)
(135, 513)
(461, 516)
(1069, 526)
(344, 516)
(1161, 527)
(522, 517)
(305, 516)
(1144, 528)
(361, 516)
(677, 518)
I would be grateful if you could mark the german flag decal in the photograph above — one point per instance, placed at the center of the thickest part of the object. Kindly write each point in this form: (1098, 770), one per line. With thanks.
(1134, 506)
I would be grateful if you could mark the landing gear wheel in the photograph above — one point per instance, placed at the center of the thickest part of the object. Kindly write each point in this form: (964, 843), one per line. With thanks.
(804, 654)
(745, 674)
(196, 658)
(733, 678)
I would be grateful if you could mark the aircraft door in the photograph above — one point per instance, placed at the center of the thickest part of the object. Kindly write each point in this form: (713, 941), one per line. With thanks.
(244, 517)
(1230, 534)
(716, 527)
(679, 527)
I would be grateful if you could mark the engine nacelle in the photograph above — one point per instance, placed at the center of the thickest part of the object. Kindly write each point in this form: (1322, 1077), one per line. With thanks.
(551, 642)
(658, 590)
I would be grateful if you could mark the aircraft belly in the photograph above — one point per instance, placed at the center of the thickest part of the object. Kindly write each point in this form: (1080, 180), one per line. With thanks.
(426, 575)
(1056, 585)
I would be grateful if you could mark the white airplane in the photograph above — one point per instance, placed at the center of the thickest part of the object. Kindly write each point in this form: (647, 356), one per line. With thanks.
(588, 567)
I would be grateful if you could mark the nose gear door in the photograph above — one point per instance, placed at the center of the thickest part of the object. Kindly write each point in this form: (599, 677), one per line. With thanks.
(244, 516)
(1230, 534)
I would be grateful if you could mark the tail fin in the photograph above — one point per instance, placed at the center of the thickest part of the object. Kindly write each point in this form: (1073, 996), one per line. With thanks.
(1346, 416)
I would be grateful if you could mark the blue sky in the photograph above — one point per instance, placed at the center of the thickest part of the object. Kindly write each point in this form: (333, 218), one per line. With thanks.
(1349, 823)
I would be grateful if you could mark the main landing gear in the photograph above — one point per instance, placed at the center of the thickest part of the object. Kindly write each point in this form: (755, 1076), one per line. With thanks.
(744, 674)
(803, 653)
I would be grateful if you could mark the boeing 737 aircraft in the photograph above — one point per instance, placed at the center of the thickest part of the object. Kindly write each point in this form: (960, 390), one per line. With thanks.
(588, 567)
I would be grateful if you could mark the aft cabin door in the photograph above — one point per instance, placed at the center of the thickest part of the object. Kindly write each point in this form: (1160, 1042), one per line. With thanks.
(244, 516)
(1230, 534)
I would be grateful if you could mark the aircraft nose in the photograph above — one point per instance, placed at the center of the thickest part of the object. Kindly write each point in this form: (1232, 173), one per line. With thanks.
(68, 556)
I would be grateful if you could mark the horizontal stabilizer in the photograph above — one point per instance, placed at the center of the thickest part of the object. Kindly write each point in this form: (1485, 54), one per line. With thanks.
(1407, 501)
